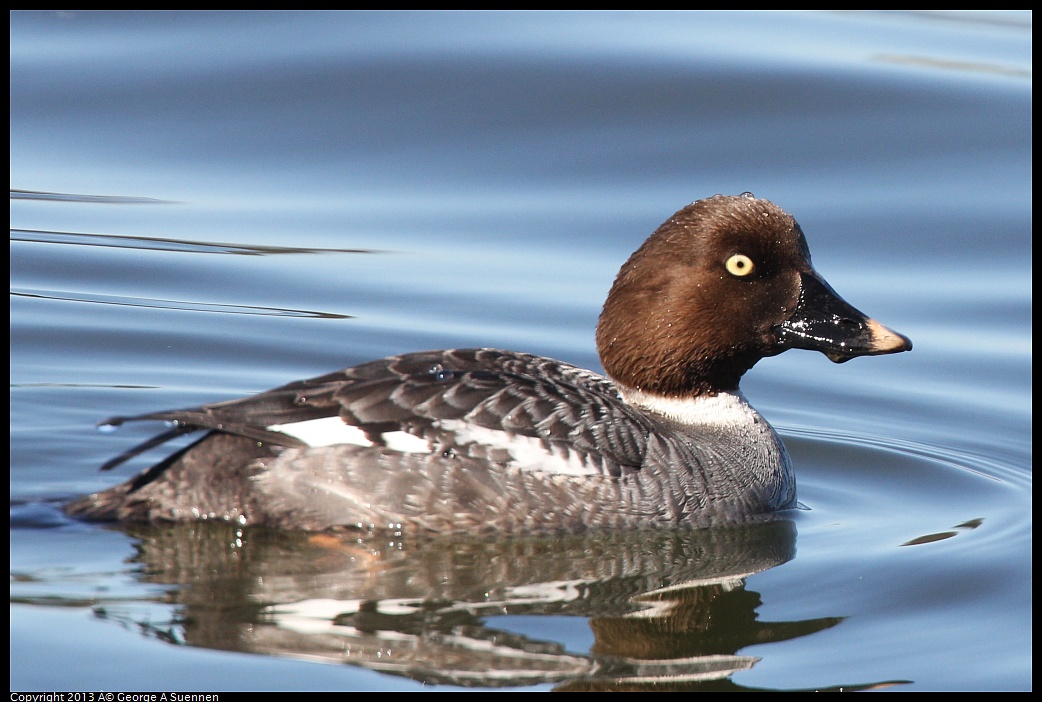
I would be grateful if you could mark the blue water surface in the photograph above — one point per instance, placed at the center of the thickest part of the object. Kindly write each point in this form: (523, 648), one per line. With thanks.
(205, 205)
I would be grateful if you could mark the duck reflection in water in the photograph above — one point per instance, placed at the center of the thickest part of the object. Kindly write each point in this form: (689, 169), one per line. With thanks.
(667, 610)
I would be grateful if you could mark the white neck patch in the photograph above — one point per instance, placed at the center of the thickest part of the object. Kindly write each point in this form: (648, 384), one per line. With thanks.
(725, 409)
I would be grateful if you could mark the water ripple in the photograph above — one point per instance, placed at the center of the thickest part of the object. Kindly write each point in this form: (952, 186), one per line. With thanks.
(182, 305)
(40, 236)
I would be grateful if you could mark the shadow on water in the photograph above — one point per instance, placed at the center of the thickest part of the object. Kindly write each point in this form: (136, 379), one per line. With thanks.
(667, 610)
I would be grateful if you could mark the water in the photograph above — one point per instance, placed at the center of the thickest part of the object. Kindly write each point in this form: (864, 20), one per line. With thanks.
(206, 205)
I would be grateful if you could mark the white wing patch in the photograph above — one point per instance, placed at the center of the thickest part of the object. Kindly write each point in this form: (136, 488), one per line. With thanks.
(525, 452)
(520, 452)
(331, 431)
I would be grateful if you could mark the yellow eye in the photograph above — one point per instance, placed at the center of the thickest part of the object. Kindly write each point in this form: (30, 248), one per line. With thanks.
(739, 265)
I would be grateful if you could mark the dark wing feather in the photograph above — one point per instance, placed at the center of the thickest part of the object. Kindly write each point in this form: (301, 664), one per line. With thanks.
(563, 405)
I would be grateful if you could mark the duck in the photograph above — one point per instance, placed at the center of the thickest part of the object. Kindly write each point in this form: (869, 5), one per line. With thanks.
(483, 440)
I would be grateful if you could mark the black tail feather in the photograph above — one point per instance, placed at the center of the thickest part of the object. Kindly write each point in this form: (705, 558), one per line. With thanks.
(177, 431)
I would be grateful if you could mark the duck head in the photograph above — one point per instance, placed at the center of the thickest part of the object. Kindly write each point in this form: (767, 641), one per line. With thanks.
(721, 284)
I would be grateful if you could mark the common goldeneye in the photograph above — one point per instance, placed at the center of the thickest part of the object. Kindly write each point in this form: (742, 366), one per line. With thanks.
(470, 440)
